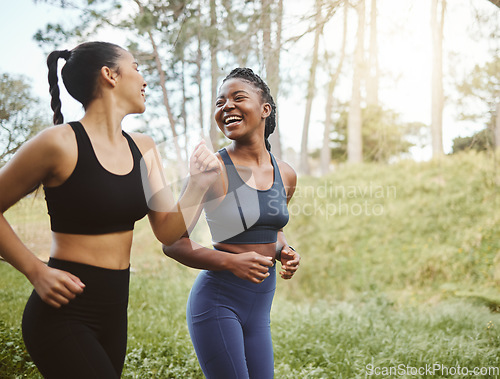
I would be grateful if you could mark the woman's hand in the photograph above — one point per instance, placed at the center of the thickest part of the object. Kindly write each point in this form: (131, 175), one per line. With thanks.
(290, 261)
(56, 287)
(204, 166)
(250, 266)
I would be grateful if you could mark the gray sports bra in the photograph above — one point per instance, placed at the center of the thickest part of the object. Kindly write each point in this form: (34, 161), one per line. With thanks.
(247, 215)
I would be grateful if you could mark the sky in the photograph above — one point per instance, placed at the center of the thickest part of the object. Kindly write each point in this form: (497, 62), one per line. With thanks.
(404, 59)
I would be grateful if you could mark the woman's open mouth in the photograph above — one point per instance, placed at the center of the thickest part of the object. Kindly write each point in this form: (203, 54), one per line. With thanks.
(232, 120)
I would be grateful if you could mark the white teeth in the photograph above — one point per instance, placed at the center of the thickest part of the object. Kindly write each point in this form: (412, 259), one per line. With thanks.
(231, 119)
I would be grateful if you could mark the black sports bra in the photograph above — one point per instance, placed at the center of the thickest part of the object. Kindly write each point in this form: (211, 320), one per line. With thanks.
(93, 200)
(247, 215)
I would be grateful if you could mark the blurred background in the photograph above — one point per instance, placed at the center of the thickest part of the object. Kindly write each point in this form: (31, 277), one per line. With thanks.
(372, 80)
(389, 112)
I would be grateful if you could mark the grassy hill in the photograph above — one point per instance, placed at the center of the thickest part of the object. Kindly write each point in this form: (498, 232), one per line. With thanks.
(400, 266)
(410, 229)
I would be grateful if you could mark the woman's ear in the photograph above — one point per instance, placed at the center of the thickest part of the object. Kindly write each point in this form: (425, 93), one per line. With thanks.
(266, 110)
(108, 75)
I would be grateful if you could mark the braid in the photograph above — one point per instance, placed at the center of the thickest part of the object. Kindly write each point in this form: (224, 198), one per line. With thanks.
(80, 73)
(55, 102)
(251, 77)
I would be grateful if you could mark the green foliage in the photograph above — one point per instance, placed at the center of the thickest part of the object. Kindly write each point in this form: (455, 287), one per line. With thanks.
(384, 135)
(20, 114)
(14, 292)
(14, 359)
(341, 340)
(480, 93)
(409, 228)
(480, 141)
(406, 272)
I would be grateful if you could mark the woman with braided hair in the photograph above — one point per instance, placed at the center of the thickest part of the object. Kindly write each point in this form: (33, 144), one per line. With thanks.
(75, 322)
(228, 311)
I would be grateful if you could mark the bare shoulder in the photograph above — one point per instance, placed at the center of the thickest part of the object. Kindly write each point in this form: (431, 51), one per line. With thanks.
(144, 142)
(47, 158)
(287, 173)
(54, 141)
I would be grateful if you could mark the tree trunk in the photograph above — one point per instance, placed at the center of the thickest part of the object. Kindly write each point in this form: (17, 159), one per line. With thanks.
(163, 84)
(183, 109)
(182, 170)
(272, 62)
(437, 98)
(199, 62)
(325, 149)
(497, 129)
(213, 72)
(373, 71)
(354, 121)
(304, 156)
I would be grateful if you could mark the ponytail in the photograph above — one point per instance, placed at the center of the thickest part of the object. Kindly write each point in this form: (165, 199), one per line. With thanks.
(55, 102)
(270, 123)
(80, 73)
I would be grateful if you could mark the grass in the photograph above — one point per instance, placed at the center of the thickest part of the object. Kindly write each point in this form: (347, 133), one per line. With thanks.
(415, 284)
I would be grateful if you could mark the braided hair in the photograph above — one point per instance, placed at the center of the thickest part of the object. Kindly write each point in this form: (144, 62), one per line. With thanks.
(248, 75)
(80, 73)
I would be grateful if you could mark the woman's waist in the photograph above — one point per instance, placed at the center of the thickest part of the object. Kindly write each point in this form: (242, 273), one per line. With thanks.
(102, 285)
(109, 251)
(266, 249)
(228, 280)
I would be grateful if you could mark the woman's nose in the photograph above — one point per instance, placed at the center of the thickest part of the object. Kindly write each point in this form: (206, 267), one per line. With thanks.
(228, 105)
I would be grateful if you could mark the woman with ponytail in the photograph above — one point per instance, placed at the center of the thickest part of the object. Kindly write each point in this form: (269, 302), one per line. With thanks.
(75, 322)
(228, 311)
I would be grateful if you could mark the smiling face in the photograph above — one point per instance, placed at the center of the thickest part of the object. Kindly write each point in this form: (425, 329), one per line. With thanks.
(130, 85)
(240, 111)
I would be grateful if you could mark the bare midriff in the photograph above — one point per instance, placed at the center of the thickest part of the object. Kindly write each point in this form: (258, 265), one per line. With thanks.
(266, 249)
(111, 250)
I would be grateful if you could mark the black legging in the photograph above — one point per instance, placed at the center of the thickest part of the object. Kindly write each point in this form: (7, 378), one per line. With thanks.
(86, 338)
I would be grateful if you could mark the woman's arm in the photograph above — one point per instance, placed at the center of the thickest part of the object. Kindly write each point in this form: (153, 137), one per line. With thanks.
(38, 161)
(169, 219)
(249, 266)
(286, 254)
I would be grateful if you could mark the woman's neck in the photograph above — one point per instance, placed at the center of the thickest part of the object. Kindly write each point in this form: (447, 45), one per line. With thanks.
(102, 118)
(255, 153)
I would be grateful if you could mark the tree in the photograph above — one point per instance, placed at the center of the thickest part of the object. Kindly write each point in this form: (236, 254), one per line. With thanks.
(480, 141)
(497, 128)
(373, 70)
(334, 76)
(437, 98)
(214, 77)
(480, 101)
(304, 156)
(271, 53)
(354, 124)
(146, 19)
(20, 115)
(384, 135)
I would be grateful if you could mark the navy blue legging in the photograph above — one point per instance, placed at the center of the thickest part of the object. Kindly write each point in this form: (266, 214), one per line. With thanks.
(86, 338)
(230, 326)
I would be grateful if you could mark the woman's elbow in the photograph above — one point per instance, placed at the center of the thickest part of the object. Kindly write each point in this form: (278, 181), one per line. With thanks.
(168, 250)
(172, 249)
(168, 241)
